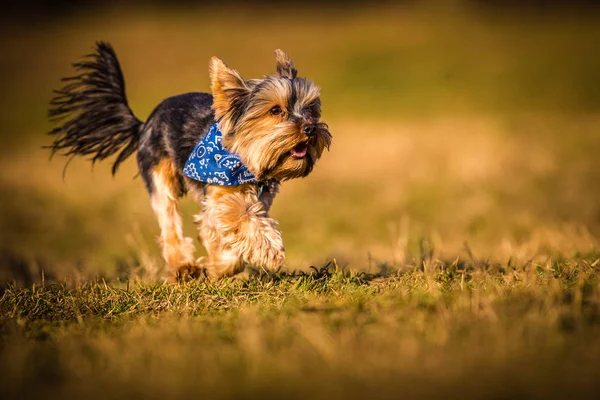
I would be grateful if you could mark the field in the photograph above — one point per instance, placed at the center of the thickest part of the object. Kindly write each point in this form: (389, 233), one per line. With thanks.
(447, 245)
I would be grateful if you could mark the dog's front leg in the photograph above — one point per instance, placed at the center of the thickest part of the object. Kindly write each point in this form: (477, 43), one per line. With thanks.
(177, 250)
(236, 230)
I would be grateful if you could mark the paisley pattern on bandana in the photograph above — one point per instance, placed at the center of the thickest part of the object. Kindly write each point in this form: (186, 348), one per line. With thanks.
(210, 162)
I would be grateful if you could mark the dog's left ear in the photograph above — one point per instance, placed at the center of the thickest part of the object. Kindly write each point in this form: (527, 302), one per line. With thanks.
(285, 65)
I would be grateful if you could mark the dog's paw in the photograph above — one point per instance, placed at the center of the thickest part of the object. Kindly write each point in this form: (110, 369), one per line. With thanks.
(189, 272)
(223, 264)
(272, 260)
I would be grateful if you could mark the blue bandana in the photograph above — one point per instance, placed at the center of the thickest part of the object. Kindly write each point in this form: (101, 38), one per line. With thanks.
(210, 162)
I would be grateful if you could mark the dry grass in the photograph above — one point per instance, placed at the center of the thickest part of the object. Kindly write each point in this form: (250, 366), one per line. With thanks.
(459, 201)
(465, 329)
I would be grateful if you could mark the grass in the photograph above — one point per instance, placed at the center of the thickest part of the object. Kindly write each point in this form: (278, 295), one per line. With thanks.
(464, 328)
(457, 215)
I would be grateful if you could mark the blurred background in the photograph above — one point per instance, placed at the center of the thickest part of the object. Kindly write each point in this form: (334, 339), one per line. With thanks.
(461, 129)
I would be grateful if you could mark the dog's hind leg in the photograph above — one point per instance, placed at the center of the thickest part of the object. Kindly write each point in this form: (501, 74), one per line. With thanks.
(177, 250)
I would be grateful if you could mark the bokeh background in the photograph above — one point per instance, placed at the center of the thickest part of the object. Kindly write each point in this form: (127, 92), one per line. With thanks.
(461, 128)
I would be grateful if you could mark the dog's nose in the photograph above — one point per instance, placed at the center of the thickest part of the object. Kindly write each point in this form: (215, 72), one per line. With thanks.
(309, 129)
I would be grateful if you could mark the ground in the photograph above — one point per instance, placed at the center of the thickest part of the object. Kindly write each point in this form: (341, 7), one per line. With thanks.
(458, 329)
(452, 230)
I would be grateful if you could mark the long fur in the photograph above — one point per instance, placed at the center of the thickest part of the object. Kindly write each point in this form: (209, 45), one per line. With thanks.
(92, 107)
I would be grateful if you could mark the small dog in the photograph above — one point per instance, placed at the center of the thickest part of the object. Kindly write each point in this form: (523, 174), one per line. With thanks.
(229, 150)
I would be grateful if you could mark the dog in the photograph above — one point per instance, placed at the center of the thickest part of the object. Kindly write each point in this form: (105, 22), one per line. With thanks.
(230, 150)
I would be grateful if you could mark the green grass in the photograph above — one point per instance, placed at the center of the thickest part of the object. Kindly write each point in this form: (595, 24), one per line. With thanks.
(463, 329)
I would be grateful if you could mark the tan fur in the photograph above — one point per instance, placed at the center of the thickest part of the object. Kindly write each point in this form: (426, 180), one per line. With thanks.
(307, 93)
(235, 230)
(262, 140)
(225, 83)
(177, 250)
(285, 65)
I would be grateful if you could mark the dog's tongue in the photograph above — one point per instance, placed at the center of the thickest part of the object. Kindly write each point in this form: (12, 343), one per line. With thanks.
(299, 151)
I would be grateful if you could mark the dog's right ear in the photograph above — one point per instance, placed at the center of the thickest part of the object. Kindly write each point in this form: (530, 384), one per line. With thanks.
(229, 91)
(285, 65)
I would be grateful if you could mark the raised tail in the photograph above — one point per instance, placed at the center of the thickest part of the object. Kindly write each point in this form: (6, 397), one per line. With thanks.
(92, 111)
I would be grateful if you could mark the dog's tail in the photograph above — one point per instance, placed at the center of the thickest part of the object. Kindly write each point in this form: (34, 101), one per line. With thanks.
(93, 112)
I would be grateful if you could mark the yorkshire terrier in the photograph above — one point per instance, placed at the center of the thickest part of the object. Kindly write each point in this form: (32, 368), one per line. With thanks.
(229, 150)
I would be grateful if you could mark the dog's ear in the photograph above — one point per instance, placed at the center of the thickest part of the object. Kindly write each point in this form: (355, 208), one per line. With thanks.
(285, 65)
(229, 91)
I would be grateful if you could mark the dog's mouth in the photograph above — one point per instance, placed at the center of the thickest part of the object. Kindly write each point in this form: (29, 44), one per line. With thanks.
(300, 150)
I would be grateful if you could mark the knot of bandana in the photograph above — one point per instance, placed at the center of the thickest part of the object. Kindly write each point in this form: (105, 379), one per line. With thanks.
(210, 162)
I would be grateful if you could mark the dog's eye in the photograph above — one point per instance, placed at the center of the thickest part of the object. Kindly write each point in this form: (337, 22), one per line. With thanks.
(312, 111)
(276, 110)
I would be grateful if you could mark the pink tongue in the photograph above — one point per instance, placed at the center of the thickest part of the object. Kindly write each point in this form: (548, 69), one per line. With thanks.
(301, 152)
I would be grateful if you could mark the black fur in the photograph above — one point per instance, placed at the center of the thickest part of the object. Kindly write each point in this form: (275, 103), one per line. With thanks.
(173, 129)
(99, 121)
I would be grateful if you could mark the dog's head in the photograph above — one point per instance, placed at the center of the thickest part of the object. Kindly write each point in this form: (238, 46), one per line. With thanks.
(272, 123)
